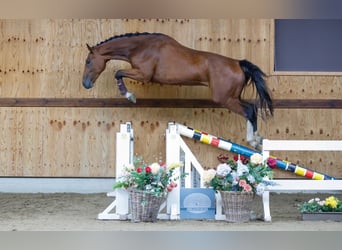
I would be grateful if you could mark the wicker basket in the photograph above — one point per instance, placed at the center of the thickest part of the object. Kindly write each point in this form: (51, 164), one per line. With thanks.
(144, 206)
(237, 205)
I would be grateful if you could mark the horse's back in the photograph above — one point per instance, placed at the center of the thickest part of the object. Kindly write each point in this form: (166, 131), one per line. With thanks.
(176, 63)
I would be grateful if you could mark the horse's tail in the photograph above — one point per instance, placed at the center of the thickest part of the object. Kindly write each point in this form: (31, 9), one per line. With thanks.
(254, 73)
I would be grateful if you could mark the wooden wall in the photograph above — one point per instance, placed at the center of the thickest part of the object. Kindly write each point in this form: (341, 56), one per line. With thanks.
(43, 60)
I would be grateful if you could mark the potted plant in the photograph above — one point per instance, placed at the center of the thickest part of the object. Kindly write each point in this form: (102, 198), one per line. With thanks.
(148, 186)
(237, 181)
(329, 208)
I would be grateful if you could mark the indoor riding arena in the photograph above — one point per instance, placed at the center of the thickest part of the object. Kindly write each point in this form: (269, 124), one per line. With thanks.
(62, 143)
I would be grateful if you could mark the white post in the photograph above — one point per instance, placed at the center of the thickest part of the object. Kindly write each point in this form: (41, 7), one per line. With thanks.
(173, 156)
(266, 194)
(124, 157)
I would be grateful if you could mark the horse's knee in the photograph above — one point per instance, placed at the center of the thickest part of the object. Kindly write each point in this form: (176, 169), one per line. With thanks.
(119, 75)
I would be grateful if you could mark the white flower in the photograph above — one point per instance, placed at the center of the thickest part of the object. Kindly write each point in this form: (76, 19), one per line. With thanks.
(155, 168)
(241, 168)
(208, 175)
(321, 203)
(129, 167)
(260, 189)
(175, 165)
(251, 178)
(256, 158)
(223, 169)
(317, 199)
(235, 178)
(266, 178)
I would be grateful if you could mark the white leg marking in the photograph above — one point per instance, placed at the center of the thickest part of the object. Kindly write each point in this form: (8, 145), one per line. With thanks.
(131, 97)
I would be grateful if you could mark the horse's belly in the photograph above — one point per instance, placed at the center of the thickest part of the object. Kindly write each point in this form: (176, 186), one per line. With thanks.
(180, 76)
(178, 81)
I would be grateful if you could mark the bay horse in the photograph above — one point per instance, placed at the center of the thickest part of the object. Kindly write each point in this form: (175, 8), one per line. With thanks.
(158, 58)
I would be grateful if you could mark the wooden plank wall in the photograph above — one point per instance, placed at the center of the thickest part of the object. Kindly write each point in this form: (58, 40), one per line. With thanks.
(45, 59)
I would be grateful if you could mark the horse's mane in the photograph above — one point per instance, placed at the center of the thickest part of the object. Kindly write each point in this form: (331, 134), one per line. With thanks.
(126, 35)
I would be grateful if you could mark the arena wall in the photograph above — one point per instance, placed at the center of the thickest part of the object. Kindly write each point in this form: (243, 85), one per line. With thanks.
(53, 127)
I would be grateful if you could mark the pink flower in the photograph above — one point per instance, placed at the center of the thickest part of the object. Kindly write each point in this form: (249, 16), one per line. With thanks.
(247, 188)
(242, 183)
(272, 163)
(173, 184)
(139, 170)
(148, 169)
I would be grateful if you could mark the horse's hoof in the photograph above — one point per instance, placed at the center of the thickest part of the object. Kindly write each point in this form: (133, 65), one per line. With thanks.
(258, 147)
(131, 97)
(259, 139)
(255, 144)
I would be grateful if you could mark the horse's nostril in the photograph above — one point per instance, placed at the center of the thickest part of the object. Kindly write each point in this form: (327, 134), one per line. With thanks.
(87, 84)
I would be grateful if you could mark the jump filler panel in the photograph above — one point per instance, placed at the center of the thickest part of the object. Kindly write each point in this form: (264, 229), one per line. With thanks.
(197, 203)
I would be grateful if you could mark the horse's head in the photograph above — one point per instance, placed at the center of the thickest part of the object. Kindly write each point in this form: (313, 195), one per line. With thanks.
(94, 65)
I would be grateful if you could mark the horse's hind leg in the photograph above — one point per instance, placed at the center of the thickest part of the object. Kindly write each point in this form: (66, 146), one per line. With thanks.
(253, 138)
(252, 127)
(248, 111)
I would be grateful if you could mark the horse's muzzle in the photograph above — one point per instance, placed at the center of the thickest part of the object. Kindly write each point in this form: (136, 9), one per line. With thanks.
(87, 83)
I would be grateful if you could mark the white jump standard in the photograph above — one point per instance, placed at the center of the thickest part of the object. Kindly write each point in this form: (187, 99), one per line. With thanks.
(124, 156)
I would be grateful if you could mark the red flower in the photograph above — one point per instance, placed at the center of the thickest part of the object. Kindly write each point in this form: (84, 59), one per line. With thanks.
(244, 159)
(222, 158)
(139, 170)
(148, 169)
(272, 163)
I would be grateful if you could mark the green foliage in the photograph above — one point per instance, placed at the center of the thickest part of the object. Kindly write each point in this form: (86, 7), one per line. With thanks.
(330, 204)
(240, 175)
(156, 178)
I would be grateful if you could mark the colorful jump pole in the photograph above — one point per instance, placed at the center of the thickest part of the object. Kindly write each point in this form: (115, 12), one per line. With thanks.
(247, 152)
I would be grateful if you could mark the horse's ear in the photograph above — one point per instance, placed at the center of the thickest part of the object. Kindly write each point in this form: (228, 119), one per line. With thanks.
(90, 48)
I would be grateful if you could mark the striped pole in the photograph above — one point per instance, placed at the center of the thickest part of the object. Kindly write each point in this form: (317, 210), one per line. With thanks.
(247, 152)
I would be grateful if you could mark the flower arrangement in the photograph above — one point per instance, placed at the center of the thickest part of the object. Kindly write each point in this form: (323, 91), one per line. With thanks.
(156, 178)
(240, 174)
(316, 205)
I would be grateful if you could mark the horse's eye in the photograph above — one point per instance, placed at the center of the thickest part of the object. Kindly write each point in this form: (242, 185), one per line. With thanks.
(88, 61)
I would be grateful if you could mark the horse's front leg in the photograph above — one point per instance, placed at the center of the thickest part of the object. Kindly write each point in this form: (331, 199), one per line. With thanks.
(123, 91)
(122, 87)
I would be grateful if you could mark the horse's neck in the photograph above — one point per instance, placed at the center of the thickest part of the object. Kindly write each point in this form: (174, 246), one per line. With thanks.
(119, 49)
